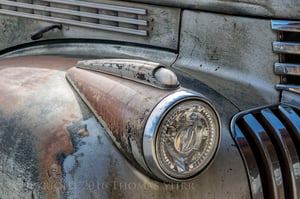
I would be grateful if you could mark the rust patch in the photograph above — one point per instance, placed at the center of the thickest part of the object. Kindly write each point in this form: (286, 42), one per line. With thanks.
(35, 87)
(123, 105)
(56, 143)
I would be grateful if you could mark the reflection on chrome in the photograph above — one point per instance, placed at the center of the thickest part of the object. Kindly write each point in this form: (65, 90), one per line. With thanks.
(186, 139)
(181, 137)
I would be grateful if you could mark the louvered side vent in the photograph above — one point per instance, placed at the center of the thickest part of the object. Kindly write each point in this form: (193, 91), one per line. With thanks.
(288, 48)
(80, 13)
(269, 142)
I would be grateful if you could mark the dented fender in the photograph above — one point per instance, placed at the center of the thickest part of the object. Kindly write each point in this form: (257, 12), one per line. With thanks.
(52, 145)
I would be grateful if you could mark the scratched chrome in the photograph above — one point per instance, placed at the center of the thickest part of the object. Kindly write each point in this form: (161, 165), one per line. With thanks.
(33, 15)
(150, 73)
(273, 136)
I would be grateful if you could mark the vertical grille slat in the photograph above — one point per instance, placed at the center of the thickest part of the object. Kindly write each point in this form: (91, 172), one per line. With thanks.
(268, 156)
(293, 120)
(288, 47)
(77, 13)
(273, 137)
(249, 158)
(286, 151)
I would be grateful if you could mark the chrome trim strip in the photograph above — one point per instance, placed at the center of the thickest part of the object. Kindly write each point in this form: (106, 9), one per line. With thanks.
(249, 159)
(74, 12)
(149, 73)
(287, 87)
(286, 47)
(100, 6)
(153, 123)
(75, 23)
(291, 26)
(270, 162)
(287, 69)
(286, 151)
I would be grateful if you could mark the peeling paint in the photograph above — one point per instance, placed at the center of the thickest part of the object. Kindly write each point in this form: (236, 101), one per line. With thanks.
(121, 105)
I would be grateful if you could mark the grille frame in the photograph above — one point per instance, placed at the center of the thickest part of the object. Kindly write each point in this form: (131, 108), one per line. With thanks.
(285, 68)
(273, 141)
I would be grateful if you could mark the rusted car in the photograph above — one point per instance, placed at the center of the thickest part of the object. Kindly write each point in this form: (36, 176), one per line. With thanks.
(150, 99)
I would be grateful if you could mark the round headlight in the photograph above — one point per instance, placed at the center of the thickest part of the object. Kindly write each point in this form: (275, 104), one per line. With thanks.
(181, 136)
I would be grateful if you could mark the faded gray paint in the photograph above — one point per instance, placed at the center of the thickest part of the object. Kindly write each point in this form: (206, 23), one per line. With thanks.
(233, 55)
(163, 28)
(289, 9)
(89, 50)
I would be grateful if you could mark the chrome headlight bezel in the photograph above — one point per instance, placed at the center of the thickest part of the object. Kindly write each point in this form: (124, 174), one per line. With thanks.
(154, 123)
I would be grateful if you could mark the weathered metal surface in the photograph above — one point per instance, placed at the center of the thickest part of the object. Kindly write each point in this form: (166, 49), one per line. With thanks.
(123, 106)
(124, 181)
(48, 113)
(91, 49)
(36, 8)
(150, 73)
(162, 23)
(35, 112)
(237, 61)
(264, 8)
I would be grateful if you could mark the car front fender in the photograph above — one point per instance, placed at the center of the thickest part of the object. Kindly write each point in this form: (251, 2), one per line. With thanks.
(53, 146)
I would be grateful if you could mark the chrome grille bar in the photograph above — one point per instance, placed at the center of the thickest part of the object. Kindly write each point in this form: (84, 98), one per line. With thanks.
(288, 87)
(131, 24)
(287, 69)
(75, 23)
(75, 13)
(268, 156)
(286, 47)
(249, 158)
(291, 26)
(293, 120)
(286, 151)
(99, 6)
(289, 49)
(273, 135)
